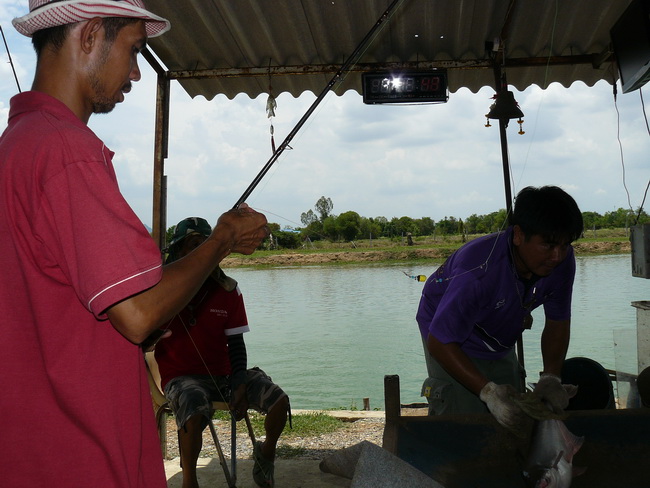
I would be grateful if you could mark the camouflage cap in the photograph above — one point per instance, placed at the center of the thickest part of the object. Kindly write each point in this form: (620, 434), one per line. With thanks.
(189, 226)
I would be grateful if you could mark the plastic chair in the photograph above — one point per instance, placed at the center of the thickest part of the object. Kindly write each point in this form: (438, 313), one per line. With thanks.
(162, 408)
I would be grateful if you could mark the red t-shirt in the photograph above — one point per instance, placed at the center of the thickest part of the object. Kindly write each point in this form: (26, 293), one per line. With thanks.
(202, 348)
(76, 409)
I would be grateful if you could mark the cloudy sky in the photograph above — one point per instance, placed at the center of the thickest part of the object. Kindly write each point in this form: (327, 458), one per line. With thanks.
(433, 160)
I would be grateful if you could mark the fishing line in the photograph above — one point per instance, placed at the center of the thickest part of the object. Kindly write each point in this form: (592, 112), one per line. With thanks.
(337, 77)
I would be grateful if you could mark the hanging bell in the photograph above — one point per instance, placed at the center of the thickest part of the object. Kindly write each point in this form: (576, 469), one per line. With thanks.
(504, 107)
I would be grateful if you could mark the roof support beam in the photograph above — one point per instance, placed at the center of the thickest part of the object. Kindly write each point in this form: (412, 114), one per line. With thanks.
(330, 69)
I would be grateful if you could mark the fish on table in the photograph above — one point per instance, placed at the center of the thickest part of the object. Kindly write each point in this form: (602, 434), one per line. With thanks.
(550, 458)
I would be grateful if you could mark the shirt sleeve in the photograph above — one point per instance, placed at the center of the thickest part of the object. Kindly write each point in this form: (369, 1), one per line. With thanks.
(237, 320)
(91, 239)
(558, 304)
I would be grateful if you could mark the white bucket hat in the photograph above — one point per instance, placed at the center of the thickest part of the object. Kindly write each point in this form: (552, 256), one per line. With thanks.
(51, 13)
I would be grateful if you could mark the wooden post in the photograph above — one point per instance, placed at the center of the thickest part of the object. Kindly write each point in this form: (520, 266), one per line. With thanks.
(393, 410)
(366, 404)
(159, 217)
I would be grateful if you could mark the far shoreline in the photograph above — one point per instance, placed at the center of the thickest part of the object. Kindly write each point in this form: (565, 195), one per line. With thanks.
(388, 255)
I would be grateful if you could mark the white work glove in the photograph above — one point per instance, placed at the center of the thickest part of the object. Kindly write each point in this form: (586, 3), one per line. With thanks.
(499, 400)
(553, 393)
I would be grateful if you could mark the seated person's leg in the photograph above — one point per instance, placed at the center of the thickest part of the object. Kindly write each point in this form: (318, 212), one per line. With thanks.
(189, 399)
(268, 398)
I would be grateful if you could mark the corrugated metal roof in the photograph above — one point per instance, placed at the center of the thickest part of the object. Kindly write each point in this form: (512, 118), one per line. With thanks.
(241, 40)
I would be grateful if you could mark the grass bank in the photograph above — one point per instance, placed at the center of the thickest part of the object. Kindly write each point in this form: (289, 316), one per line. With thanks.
(431, 248)
(303, 424)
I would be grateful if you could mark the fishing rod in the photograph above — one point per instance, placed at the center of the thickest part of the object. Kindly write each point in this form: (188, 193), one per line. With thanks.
(346, 66)
(10, 60)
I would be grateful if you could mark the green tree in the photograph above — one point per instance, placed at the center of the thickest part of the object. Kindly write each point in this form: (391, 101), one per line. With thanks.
(382, 222)
(329, 228)
(495, 221)
(403, 225)
(425, 226)
(473, 223)
(288, 238)
(619, 218)
(643, 217)
(592, 220)
(308, 217)
(169, 234)
(348, 225)
(369, 228)
(324, 208)
(313, 231)
(447, 226)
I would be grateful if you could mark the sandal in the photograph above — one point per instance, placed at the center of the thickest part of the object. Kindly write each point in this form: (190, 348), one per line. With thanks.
(263, 469)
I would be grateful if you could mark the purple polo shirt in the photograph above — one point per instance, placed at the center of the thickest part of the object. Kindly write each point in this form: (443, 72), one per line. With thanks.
(476, 299)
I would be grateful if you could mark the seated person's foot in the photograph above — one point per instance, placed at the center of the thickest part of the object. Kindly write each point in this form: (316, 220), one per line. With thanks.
(263, 468)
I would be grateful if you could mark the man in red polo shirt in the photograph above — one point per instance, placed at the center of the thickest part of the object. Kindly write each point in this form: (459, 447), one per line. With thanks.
(82, 281)
(205, 360)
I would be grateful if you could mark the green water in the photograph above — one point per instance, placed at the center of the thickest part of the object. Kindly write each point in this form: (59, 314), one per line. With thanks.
(328, 335)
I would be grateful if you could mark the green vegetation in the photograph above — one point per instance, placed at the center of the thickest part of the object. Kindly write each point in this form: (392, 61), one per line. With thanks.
(304, 424)
(324, 231)
(350, 227)
(425, 249)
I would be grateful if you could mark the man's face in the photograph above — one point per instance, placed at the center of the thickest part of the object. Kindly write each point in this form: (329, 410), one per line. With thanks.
(190, 243)
(537, 255)
(116, 67)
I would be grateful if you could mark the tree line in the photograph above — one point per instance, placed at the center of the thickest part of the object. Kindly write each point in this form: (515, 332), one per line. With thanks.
(321, 224)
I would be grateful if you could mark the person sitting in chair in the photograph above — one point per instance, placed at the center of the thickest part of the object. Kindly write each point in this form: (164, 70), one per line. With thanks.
(204, 360)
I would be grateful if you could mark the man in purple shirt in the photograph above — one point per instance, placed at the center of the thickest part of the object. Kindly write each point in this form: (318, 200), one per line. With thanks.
(476, 305)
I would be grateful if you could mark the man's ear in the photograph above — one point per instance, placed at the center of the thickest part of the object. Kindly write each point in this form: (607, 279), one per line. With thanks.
(89, 36)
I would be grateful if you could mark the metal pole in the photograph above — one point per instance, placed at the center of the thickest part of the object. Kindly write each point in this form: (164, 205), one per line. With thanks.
(503, 123)
(501, 84)
(346, 66)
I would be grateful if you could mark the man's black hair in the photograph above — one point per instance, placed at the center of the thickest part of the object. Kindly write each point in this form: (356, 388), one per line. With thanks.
(56, 36)
(548, 211)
